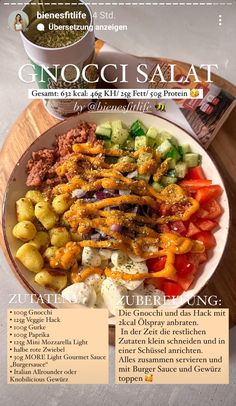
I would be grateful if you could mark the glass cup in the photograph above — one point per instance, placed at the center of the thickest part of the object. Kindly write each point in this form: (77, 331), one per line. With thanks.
(54, 48)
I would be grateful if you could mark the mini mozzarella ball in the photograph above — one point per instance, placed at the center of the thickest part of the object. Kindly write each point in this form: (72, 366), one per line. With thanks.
(151, 248)
(136, 297)
(135, 258)
(105, 254)
(146, 296)
(118, 258)
(158, 295)
(80, 293)
(113, 295)
(24, 230)
(132, 268)
(104, 264)
(95, 281)
(90, 257)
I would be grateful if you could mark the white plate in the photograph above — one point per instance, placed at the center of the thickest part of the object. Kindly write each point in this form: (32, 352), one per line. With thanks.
(16, 189)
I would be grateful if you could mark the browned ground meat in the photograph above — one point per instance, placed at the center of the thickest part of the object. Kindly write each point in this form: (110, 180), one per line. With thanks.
(85, 132)
(41, 167)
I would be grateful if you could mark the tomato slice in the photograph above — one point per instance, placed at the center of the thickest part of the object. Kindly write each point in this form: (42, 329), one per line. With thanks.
(205, 194)
(195, 173)
(201, 213)
(207, 238)
(205, 224)
(194, 259)
(192, 185)
(172, 289)
(157, 282)
(156, 264)
(186, 266)
(185, 281)
(192, 230)
(203, 257)
(178, 227)
(213, 210)
(183, 265)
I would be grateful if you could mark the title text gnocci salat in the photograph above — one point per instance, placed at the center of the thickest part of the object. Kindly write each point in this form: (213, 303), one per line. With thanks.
(119, 73)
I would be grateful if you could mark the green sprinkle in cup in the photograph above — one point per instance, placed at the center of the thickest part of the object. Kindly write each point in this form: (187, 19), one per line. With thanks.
(58, 36)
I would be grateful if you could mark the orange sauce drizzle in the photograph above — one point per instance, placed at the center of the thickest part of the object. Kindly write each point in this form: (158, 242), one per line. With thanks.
(87, 216)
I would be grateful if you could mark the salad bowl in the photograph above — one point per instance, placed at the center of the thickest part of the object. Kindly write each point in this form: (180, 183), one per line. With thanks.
(16, 188)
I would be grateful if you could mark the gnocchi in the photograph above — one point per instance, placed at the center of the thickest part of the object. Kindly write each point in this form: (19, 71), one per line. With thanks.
(35, 196)
(49, 253)
(52, 279)
(63, 221)
(30, 257)
(40, 241)
(61, 203)
(45, 214)
(24, 230)
(24, 210)
(76, 236)
(59, 236)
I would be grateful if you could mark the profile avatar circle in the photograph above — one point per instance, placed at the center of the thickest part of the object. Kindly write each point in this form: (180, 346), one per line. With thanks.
(18, 20)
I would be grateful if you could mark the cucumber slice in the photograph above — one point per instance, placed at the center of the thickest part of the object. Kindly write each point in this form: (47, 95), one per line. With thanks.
(144, 157)
(152, 133)
(116, 125)
(151, 142)
(157, 186)
(137, 129)
(168, 180)
(171, 173)
(140, 142)
(184, 149)
(115, 146)
(191, 159)
(165, 147)
(173, 154)
(119, 136)
(172, 163)
(103, 132)
(129, 144)
(181, 169)
(145, 177)
(107, 143)
(163, 136)
(111, 159)
(107, 124)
